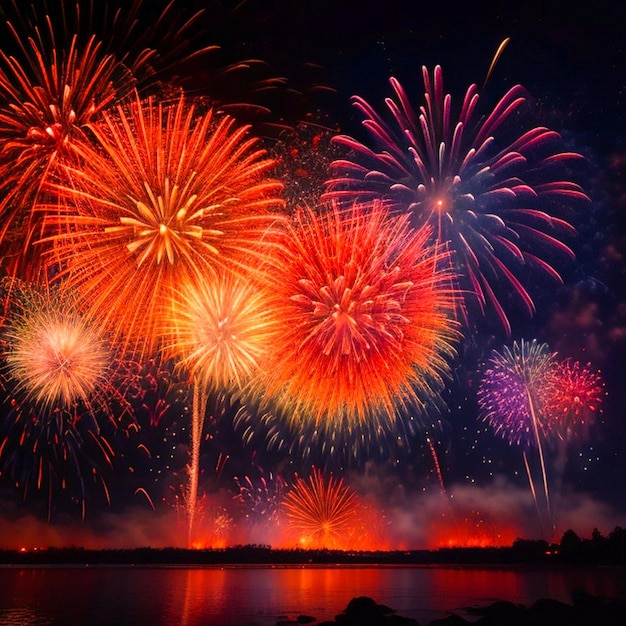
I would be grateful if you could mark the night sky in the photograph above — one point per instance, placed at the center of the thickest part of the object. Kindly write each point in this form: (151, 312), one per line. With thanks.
(452, 479)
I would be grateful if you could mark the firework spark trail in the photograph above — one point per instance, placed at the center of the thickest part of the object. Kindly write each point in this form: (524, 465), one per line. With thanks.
(497, 207)
(365, 319)
(321, 509)
(219, 329)
(513, 395)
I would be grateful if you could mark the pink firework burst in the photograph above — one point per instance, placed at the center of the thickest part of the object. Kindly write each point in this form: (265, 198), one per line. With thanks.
(576, 398)
(496, 201)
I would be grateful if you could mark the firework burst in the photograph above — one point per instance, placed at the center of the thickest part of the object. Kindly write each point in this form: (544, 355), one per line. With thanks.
(168, 197)
(496, 201)
(221, 329)
(64, 394)
(514, 392)
(322, 510)
(513, 397)
(575, 399)
(45, 106)
(364, 317)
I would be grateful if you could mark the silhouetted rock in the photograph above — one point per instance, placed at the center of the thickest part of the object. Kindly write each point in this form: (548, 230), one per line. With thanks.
(450, 620)
(364, 611)
(587, 610)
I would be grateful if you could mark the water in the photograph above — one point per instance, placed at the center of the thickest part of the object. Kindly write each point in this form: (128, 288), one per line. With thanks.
(259, 596)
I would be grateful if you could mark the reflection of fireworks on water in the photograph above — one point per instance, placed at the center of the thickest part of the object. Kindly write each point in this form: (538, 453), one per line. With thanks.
(493, 201)
(61, 380)
(366, 331)
(575, 399)
(322, 510)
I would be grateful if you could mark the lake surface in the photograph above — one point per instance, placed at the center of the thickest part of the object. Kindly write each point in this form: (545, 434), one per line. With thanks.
(259, 596)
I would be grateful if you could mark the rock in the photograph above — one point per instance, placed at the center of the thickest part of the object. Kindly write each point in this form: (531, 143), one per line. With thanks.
(549, 612)
(364, 611)
(305, 619)
(451, 620)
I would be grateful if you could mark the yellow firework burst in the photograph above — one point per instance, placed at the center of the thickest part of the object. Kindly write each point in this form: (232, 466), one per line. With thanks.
(221, 329)
(169, 196)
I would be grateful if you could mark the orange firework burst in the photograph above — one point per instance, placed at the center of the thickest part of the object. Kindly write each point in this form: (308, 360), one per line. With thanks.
(170, 197)
(321, 510)
(221, 329)
(364, 312)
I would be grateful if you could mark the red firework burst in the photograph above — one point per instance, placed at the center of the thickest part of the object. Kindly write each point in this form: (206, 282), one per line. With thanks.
(575, 400)
(365, 317)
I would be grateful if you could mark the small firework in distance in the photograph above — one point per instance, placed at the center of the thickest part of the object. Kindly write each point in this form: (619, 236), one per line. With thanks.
(170, 196)
(495, 200)
(575, 400)
(54, 355)
(321, 510)
(514, 392)
(365, 321)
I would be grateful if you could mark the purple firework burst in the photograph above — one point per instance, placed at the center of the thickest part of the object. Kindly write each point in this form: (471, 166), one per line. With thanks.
(515, 390)
(495, 201)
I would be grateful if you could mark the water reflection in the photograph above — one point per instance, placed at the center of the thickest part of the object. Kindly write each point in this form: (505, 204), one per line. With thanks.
(234, 596)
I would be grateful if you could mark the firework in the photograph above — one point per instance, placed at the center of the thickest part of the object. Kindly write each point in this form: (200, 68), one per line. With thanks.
(220, 329)
(45, 106)
(64, 394)
(513, 397)
(170, 196)
(60, 77)
(262, 496)
(514, 392)
(496, 201)
(364, 317)
(575, 399)
(321, 510)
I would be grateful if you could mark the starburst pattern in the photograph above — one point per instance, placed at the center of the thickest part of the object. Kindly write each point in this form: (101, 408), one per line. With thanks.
(498, 202)
(365, 321)
(575, 400)
(321, 509)
(169, 197)
(515, 390)
(45, 107)
(221, 329)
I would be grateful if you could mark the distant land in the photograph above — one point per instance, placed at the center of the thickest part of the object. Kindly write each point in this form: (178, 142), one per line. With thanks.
(599, 549)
